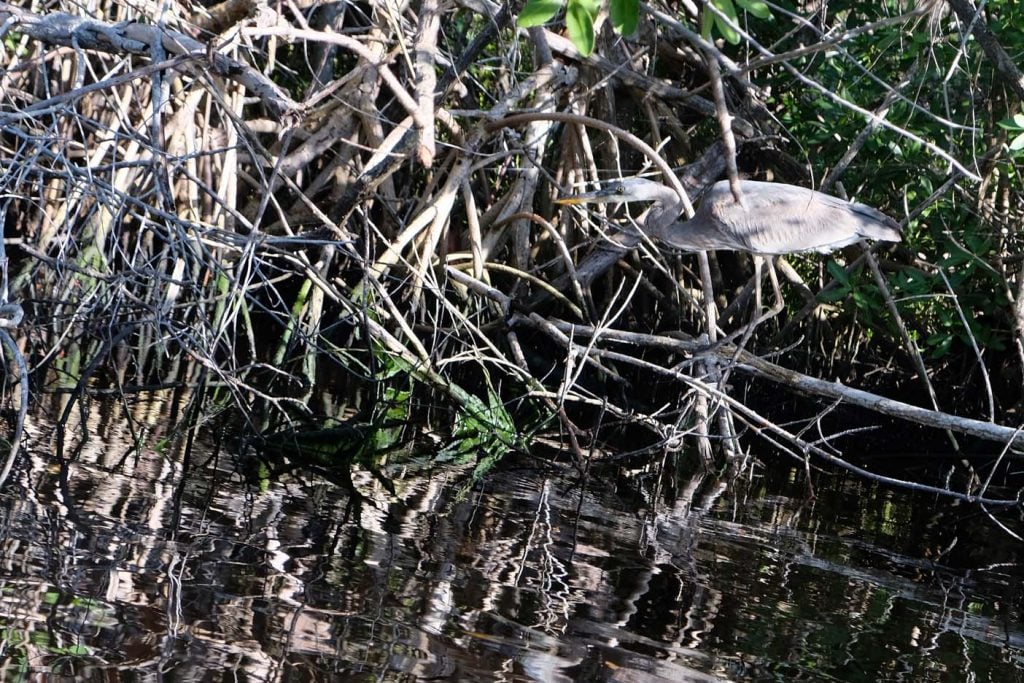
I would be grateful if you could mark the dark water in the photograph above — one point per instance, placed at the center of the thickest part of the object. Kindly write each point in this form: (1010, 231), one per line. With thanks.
(121, 565)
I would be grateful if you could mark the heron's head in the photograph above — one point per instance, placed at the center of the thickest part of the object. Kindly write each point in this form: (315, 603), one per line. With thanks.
(624, 190)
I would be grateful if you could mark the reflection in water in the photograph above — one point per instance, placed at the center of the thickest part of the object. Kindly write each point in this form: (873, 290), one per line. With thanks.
(119, 566)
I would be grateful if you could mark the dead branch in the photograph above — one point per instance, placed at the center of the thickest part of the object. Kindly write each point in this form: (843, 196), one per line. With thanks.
(58, 28)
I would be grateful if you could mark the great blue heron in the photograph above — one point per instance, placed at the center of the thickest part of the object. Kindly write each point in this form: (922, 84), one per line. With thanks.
(773, 219)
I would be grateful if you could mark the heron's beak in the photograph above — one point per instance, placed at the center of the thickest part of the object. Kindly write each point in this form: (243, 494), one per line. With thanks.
(572, 200)
(596, 197)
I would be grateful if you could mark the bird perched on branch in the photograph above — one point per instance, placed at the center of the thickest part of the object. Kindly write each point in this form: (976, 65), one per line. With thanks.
(772, 219)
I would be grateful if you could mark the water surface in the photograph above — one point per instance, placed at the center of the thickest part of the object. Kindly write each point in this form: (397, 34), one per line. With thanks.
(129, 561)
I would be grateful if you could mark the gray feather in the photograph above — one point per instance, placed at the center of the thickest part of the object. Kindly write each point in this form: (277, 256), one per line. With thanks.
(775, 218)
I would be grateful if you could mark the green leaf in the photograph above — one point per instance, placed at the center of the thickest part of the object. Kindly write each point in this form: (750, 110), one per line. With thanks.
(625, 15)
(1019, 120)
(485, 431)
(727, 31)
(940, 344)
(729, 10)
(707, 20)
(579, 19)
(538, 12)
(832, 295)
(756, 7)
(1017, 143)
(838, 273)
(1010, 124)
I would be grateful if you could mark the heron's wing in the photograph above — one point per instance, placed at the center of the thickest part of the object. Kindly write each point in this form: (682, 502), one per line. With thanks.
(780, 219)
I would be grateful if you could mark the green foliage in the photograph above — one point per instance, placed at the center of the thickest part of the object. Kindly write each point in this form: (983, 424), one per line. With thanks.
(839, 293)
(977, 290)
(579, 19)
(892, 171)
(485, 431)
(370, 439)
(711, 20)
(1016, 126)
(538, 12)
(580, 16)
(625, 15)
(391, 415)
(757, 8)
(15, 44)
(863, 293)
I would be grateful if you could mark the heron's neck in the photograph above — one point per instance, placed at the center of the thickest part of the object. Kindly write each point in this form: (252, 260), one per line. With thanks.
(695, 234)
(662, 215)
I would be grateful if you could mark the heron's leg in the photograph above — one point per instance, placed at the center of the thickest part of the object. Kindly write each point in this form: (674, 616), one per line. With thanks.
(811, 303)
(758, 317)
(779, 304)
(792, 277)
(754, 289)
(758, 277)
(776, 291)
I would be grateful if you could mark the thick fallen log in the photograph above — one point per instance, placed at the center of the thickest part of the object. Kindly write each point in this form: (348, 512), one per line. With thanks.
(743, 361)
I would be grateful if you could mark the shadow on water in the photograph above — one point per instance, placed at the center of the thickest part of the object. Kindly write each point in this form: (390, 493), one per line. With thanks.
(119, 565)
